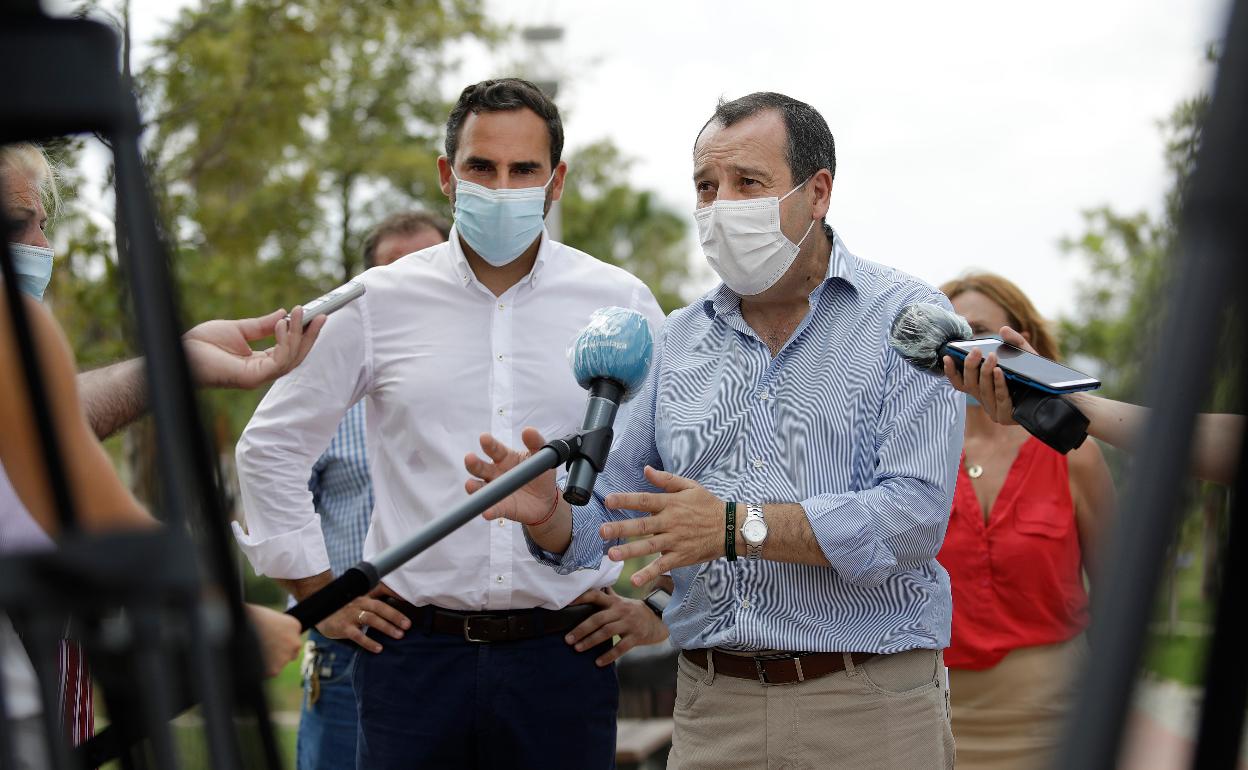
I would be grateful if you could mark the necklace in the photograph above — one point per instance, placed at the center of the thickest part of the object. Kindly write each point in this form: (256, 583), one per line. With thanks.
(974, 470)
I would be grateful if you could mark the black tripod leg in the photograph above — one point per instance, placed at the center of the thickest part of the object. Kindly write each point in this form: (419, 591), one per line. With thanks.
(1226, 671)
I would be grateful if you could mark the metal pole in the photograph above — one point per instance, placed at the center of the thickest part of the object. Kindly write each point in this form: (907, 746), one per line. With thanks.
(1211, 247)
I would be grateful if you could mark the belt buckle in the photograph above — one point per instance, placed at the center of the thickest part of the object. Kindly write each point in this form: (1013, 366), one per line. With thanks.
(760, 662)
(468, 629)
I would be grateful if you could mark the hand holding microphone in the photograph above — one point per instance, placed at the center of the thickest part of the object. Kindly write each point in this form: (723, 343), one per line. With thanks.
(934, 340)
(981, 378)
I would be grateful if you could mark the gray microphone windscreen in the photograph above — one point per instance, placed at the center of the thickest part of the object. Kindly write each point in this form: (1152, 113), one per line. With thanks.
(920, 331)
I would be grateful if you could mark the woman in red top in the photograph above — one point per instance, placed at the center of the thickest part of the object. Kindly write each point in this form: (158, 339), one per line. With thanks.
(1026, 522)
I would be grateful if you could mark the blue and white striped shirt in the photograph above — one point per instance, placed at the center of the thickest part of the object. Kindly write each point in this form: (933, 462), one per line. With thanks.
(342, 492)
(836, 421)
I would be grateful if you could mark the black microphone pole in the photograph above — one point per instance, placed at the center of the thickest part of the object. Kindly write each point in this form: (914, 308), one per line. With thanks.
(365, 576)
(604, 401)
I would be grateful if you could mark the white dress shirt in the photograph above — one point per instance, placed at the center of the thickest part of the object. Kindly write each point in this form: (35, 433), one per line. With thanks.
(440, 361)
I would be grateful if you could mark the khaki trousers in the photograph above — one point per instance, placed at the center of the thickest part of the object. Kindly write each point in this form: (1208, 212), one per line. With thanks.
(891, 712)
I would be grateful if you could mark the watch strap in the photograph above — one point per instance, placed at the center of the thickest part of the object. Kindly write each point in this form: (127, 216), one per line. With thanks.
(730, 531)
(654, 606)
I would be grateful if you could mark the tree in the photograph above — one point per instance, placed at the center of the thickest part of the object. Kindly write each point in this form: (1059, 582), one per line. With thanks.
(604, 216)
(277, 133)
(1119, 308)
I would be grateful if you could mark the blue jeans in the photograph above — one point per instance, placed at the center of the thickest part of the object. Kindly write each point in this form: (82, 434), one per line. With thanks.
(327, 728)
(435, 700)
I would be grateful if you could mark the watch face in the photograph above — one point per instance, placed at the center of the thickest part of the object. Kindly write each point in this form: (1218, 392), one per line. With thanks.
(754, 532)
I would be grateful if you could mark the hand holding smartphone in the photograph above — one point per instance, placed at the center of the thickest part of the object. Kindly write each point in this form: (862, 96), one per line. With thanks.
(1027, 368)
(332, 301)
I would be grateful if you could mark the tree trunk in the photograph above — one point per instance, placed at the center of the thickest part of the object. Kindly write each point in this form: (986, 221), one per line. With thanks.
(345, 249)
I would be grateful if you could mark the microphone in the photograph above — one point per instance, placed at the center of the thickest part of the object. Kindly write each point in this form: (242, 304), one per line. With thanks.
(610, 359)
(921, 333)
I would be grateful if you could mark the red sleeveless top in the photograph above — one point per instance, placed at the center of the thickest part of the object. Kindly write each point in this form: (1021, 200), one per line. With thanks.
(1018, 577)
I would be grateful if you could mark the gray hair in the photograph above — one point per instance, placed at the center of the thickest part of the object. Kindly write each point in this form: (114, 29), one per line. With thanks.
(30, 161)
(811, 146)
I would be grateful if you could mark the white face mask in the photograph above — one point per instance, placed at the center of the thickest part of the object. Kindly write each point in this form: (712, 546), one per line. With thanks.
(744, 244)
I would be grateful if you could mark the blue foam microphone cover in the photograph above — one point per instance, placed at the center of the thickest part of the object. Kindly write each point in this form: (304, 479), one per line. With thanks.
(921, 331)
(616, 345)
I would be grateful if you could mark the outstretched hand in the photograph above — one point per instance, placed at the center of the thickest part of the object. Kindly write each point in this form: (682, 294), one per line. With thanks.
(685, 525)
(985, 381)
(220, 356)
(533, 502)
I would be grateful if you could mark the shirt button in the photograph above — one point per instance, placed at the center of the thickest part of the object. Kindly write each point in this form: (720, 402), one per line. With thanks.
(764, 396)
(745, 604)
(500, 411)
(498, 579)
(500, 306)
(758, 462)
(500, 356)
(502, 522)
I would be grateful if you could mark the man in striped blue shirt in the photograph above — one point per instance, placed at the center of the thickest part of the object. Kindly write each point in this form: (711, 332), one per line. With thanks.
(342, 493)
(793, 472)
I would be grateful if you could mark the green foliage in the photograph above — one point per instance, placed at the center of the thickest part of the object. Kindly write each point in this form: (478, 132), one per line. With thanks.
(277, 134)
(1119, 308)
(604, 216)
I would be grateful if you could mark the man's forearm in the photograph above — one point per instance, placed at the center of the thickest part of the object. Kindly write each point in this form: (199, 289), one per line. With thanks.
(305, 587)
(113, 396)
(555, 535)
(790, 538)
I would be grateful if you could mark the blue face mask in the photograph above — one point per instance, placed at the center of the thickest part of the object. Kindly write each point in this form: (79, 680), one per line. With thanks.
(499, 224)
(33, 265)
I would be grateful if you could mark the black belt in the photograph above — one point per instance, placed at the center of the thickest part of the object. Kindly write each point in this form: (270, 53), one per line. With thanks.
(499, 626)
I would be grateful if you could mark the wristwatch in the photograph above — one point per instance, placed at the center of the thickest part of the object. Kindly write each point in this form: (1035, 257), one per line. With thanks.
(657, 601)
(754, 531)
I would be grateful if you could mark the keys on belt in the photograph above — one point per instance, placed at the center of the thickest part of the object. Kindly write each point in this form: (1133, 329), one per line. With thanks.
(308, 671)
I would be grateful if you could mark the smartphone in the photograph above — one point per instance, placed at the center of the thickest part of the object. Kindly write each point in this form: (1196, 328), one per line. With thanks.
(1028, 368)
(334, 300)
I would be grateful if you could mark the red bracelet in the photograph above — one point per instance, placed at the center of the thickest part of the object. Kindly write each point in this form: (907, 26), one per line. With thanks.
(550, 515)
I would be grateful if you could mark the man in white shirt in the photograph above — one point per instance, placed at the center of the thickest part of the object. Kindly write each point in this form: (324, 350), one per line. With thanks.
(459, 339)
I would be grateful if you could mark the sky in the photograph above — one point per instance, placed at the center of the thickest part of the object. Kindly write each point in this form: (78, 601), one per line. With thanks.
(969, 134)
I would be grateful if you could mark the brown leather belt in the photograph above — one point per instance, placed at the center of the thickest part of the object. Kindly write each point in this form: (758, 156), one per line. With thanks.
(484, 627)
(778, 668)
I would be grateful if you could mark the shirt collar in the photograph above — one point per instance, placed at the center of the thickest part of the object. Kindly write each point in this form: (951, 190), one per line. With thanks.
(464, 270)
(722, 301)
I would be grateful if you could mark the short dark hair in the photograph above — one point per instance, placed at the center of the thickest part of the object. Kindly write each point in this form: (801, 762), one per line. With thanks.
(499, 96)
(402, 223)
(811, 146)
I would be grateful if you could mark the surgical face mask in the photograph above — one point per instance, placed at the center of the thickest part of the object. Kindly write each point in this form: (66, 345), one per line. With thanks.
(744, 244)
(499, 224)
(33, 265)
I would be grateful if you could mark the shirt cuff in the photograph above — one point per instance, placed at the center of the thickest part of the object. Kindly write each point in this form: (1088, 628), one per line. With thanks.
(289, 555)
(585, 551)
(845, 532)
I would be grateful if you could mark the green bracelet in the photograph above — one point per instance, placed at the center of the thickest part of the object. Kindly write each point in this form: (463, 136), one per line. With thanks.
(730, 531)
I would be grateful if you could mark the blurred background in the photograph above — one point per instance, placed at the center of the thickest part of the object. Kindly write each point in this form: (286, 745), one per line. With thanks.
(1049, 143)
